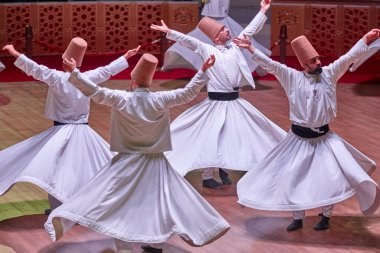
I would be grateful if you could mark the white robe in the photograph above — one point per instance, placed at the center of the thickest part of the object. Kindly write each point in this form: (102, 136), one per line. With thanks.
(50, 159)
(299, 173)
(226, 134)
(2, 67)
(179, 56)
(138, 197)
(372, 49)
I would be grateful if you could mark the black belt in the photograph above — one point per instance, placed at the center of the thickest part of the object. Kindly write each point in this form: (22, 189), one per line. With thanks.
(223, 96)
(57, 123)
(309, 133)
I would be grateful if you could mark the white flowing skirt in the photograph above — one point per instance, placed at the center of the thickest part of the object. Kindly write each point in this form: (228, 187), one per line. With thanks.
(301, 174)
(179, 56)
(59, 160)
(226, 134)
(139, 198)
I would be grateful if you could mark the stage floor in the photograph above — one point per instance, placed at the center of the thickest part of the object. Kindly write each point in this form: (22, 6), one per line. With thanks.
(358, 121)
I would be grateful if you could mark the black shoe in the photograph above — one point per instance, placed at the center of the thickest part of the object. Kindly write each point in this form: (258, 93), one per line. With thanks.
(296, 224)
(224, 176)
(47, 211)
(323, 224)
(211, 183)
(148, 248)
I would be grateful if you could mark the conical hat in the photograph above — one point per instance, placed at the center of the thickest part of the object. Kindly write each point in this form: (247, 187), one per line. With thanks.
(144, 70)
(76, 50)
(210, 27)
(303, 49)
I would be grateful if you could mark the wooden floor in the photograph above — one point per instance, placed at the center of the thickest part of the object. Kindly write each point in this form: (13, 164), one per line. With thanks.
(358, 122)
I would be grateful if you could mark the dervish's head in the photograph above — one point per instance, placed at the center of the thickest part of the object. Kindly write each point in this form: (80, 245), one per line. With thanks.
(217, 32)
(142, 74)
(307, 55)
(76, 50)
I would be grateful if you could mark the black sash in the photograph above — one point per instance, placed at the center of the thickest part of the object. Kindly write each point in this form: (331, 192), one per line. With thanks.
(309, 133)
(223, 96)
(57, 123)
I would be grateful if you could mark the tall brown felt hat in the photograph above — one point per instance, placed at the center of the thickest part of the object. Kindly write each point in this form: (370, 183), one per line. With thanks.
(76, 49)
(210, 27)
(303, 49)
(144, 70)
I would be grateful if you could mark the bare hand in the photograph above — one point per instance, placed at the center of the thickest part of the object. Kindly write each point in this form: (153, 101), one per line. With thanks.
(69, 65)
(371, 36)
(208, 63)
(132, 52)
(244, 42)
(162, 28)
(265, 5)
(12, 51)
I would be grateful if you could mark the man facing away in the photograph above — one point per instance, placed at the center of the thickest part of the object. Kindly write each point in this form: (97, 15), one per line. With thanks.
(138, 196)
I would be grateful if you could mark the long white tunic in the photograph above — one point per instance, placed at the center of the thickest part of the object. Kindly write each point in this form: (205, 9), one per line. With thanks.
(63, 158)
(226, 134)
(138, 197)
(301, 173)
(179, 56)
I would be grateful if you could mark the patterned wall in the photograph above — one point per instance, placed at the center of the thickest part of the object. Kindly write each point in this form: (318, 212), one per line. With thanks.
(322, 34)
(108, 27)
(332, 28)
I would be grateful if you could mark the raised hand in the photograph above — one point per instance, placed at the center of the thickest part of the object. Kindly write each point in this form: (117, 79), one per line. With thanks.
(244, 42)
(208, 63)
(69, 64)
(12, 51)
(132, 52)
(371, 36)
(162, 28)
(265, 5)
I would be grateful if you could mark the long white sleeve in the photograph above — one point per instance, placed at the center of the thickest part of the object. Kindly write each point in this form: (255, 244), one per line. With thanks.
(172, 98)
(104, 73)
(37, 71)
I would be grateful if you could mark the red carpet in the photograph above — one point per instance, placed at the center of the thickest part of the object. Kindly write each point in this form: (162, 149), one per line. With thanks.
(368, 73)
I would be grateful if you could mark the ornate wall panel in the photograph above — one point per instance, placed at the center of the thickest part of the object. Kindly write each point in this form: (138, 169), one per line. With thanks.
(149, 13)
(116, 27)
(293, 17)
(356, 24)
(323, 28)
(16, 17)
(332, 27)
(183, 17)
(84, 23)
(108, 27)
(49, 30)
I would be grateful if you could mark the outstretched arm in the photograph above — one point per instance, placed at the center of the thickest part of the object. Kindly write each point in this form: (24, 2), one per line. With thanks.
(283, 73)
(258, 21)
(11, 50)
(105, 96)
(172, 98)
(104, 73)
(190, 42)
(31, 68)
(340, 66)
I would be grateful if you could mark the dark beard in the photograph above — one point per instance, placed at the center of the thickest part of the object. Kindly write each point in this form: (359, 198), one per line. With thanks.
(316, 71)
